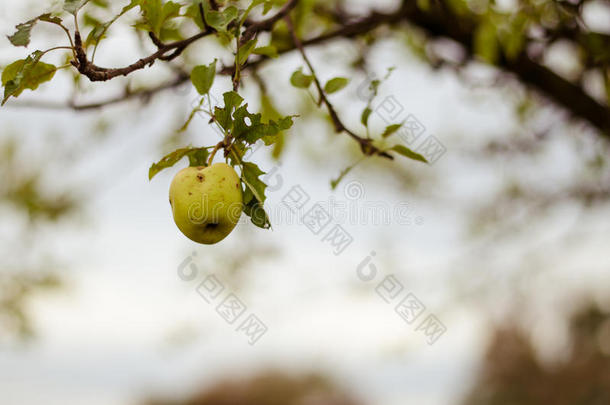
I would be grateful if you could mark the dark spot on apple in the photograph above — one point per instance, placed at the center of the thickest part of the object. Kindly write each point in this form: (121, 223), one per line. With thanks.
(223, 179)
(236, 185)
(190, 193)
(200, 177)
(211, 226)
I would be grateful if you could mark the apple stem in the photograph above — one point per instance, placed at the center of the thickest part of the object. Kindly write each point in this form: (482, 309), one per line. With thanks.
(211, 158)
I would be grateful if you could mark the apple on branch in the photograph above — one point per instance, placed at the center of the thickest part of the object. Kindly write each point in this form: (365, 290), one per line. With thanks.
(206, 202)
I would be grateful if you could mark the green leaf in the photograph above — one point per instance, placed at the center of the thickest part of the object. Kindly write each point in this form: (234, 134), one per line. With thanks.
(485, 42)
(269, 112)
(232, 100)
(157, 13)
(24, 74)
(246, 127)
(193, 12)
(336, 84)
(374, 88)
(224, 116)
(22, 36)
(72, 6)
(364, 118)
(254, 195)
(513, 37)
(256, 130)
(98, 32)
(257, 214)
(268, 51)
(219, 20)
(197, 157)
(245, 50)
(335, 182)
(240, 127)
(404, 151)
(203, 77)
(390, 129)
(256, 187)
(254, 3)
(300, 80)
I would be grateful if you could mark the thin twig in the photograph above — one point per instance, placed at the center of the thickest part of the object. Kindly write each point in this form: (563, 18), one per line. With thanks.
(366, 145)
(252, 28)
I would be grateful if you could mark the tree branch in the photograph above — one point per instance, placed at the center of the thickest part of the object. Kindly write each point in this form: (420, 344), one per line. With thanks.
(563, 92)
(99, 74)
(438, 22)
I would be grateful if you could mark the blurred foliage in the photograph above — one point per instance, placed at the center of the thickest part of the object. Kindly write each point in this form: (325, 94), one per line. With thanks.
(15, 290)
(512, 373)
(22, 187)
(267, 388)
(28, 206)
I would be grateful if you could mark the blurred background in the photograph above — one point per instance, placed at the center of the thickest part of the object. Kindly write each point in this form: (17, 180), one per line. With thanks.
(481, 278)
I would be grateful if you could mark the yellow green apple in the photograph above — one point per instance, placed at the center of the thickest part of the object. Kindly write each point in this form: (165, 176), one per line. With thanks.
(206, 202)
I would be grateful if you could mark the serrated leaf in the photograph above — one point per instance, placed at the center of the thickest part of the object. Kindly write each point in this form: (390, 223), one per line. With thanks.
(268, 51)
(390, 129)
(300, 80)
(21, 37)
(250, 174)
(364, 118)
(257, 214)
(224, 115)
(245, 50)
(232, 100)
(197, 157)
(203, 77)
(240, 127)
(406, 152)
(336, 84)
(247, 127)
(24, 74)
(254, 195)
(256, 130)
